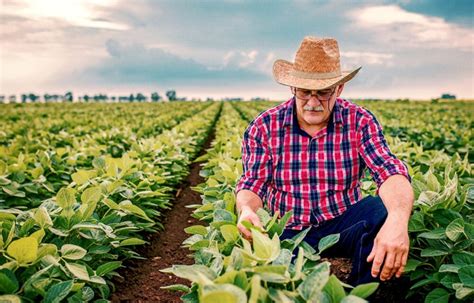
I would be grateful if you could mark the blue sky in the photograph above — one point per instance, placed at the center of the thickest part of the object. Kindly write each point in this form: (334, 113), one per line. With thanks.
(407, 49)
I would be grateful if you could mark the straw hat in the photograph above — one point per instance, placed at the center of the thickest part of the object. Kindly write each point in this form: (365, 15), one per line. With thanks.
(316, 66)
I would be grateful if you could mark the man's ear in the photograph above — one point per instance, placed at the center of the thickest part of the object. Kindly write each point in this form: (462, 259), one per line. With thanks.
(339, 89)
(293, 90)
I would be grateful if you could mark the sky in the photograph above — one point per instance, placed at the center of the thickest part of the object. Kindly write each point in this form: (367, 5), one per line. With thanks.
(417, 49)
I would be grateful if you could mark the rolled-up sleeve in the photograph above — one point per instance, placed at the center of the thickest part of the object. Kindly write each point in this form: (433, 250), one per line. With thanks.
(256, 161)
(374, 150)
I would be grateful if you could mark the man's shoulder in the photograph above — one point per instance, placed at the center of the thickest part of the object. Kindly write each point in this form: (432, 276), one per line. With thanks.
(350, 110)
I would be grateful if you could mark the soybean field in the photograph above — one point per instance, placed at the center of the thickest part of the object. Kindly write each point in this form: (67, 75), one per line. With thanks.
(88, 190)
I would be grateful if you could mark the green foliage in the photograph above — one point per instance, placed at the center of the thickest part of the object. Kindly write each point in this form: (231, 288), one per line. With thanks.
(73, 211)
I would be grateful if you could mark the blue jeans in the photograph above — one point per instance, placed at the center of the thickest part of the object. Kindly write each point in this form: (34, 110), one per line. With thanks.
(357, 227)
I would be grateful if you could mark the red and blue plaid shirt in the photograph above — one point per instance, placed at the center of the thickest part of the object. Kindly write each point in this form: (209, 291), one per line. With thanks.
(316, 177)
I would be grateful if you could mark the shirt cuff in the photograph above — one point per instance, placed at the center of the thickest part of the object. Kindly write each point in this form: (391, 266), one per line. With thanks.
(256, 186)
(395, 167)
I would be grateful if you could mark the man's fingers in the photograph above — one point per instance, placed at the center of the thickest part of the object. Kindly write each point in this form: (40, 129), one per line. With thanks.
(388, 265)
(255, 220)
(403, 264)
(244, 231)
(378, 261)
(397, 264)
(372, 253)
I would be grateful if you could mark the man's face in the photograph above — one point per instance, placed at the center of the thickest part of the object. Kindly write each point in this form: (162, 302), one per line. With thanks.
(314, 108)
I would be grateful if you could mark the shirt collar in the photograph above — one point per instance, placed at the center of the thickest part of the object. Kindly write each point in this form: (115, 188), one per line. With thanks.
(288, 118)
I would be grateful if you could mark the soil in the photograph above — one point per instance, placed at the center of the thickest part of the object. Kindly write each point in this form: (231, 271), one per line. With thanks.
(142, 279)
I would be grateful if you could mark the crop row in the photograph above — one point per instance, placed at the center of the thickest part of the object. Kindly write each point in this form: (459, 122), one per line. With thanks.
(69, 247)
(228, 268)
(36, 164)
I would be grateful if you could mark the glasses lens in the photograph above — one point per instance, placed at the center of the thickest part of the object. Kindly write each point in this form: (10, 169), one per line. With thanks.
(306, 94)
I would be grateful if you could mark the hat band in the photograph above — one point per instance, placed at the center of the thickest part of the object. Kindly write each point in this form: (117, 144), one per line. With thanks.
(315, 76)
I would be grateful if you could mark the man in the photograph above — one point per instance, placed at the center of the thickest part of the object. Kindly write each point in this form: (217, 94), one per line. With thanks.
(308, 155)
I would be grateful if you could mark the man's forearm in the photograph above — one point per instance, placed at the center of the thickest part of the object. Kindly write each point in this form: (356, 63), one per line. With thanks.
(247, 198)
(397, 195)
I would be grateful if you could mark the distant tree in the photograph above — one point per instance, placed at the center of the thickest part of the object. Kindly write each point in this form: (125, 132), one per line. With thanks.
(131, 98)
(448, 96)
(2, 98)
(68, 97)
(46, 97)
(12, 99)
(113, 98)
(86, 98)
(155, 97)
(33, 97)
(171, 94)
(24, 98)
(140, 97)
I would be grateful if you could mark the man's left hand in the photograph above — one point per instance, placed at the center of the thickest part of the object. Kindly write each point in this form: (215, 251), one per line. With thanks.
(390, 249)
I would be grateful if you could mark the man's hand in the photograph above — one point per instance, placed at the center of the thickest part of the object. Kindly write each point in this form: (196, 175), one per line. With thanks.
(390, 249)
(247, 214)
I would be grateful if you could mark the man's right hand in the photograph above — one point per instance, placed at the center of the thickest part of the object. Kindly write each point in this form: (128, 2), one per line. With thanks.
(247, 214)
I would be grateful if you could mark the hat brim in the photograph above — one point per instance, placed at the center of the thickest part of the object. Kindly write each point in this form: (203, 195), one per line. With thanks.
(282, 74)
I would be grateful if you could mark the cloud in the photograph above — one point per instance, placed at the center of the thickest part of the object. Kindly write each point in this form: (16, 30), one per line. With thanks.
(371, 58)
(400, 28)
(138, 64)
(83, 13)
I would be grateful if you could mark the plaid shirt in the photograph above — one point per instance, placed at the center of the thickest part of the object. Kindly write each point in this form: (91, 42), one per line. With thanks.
(316, 177)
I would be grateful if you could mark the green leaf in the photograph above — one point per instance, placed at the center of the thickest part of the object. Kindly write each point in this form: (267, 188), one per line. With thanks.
(91, 195)
(79, 271)
(264, 247)
(196, 230)
(466, 275)
(437, 295)
(220, 293)
(10, 299)
(455, 229)
(221, 215)
(230, 233)
(334, 289)
(24, 250)
(431, 252)
(42, 217)
(82, 176)
(132, 241)
(177, 287)
(196, 273)
(10, 190)
(314, 282)
(327, 242)
(364, 290)
(255, 289)
(66, 197)
(353, 299)
(411, 265)
(58, 291)
(72, 252)
(449, 268)
(107, 267)
(435, 234)
(463, 258)
(130, 208)
(8, 281)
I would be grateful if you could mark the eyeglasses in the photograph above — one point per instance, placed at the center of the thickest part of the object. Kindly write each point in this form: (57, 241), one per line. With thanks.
(321, 95)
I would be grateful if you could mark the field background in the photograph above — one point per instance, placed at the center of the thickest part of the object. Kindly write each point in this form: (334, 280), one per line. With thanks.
(84, 186)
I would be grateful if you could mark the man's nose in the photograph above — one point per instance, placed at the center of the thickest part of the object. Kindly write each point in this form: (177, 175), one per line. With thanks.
(314, 100)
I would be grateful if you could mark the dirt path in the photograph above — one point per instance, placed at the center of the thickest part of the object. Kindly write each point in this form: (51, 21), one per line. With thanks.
(142, 278)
